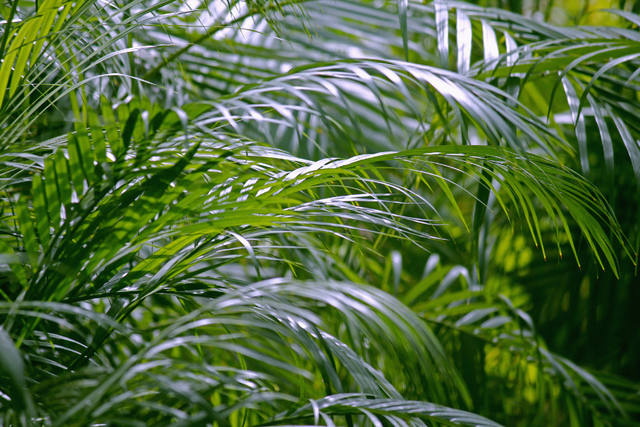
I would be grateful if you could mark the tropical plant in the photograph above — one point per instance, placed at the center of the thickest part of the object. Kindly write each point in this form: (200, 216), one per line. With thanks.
(328, 212)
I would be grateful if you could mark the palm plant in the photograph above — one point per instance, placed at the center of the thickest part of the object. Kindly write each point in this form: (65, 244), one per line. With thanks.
(316, 213)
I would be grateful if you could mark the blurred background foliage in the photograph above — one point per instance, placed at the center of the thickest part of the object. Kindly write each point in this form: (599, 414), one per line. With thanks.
(561, 12)
(324, 212)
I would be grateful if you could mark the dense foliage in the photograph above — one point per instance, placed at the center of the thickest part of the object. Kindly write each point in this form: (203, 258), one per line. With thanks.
(319, 212)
